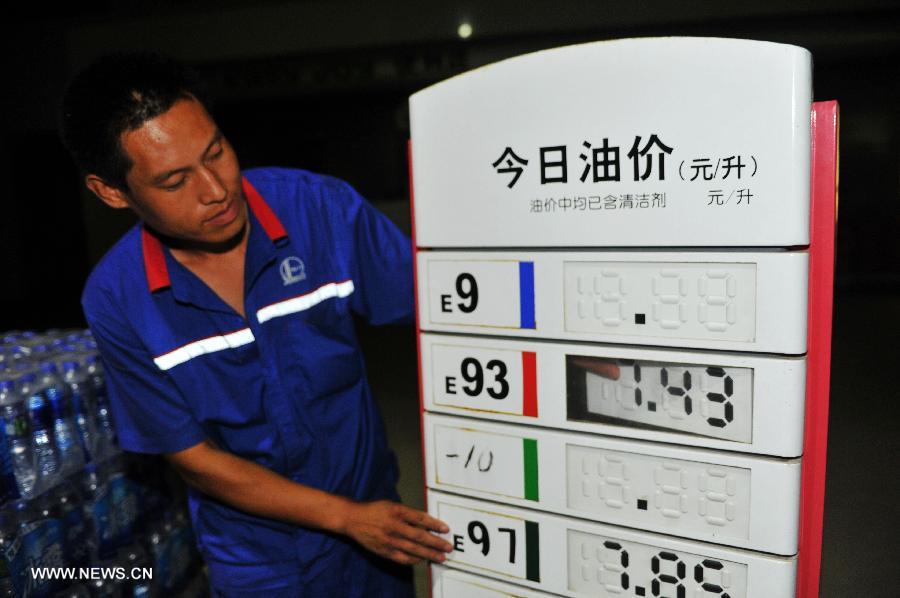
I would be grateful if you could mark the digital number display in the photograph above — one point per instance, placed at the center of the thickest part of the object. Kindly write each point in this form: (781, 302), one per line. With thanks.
(708, 400)
(604, 566)
(647, 491)
(672, 300)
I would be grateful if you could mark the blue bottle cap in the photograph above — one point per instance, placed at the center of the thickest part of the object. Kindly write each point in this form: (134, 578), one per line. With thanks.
(48, 367)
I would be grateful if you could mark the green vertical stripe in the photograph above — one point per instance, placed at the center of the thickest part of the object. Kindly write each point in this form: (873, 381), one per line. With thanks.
(529, 445)
(532, 552)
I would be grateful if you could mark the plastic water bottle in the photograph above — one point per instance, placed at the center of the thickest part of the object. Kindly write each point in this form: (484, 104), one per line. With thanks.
(160, 552)
(105, 588)
(65, 433)
(97, 504)
(41, 534)
(76, 591)
(12, 563)
(105, 427)
(183, 551)
(17, 432)
(46, 459)
(123, 500)
(76, 527)
(84, 408)
(134, 558)
(40, 352)
(171, 546)
(17, 359)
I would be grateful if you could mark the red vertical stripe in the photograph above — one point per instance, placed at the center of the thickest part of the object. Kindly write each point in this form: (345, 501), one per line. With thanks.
(823, 215)
(154, 262)
(267, 218)
(529, 382)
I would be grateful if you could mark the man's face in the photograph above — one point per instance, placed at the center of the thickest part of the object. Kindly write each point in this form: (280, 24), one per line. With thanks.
(185, 181)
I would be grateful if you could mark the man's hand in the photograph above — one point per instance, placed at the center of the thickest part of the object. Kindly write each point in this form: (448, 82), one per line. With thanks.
(386, 528)
(396, 532)
(598, 365)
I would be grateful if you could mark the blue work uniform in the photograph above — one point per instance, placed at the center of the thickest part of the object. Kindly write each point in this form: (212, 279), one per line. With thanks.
(285, 387)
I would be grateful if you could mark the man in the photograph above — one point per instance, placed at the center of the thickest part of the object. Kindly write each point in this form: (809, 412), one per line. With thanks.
(224, 320)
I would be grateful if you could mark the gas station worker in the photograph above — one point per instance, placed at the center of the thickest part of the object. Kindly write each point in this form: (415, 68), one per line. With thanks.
(225, 322)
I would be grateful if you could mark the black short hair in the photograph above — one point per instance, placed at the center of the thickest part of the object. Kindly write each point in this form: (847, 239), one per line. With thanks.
(115, 94)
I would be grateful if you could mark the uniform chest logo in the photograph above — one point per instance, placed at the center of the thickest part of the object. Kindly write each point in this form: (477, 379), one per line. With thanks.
(292, 270)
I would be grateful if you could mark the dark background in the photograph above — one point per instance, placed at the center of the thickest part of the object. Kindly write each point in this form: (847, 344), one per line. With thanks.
(323, 86)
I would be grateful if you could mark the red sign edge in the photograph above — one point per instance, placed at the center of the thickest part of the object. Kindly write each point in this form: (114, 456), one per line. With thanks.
(824, 120)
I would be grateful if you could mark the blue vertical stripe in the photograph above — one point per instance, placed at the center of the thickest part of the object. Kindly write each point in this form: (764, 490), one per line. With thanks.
(526, 295)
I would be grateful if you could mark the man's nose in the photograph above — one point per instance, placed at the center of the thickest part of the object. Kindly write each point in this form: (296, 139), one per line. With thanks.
(212, 190)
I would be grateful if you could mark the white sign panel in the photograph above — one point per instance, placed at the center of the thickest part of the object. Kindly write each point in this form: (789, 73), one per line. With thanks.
(573, 557)
(613, 289)
(753, 301)
(450, 583)
(497, 543)
(478, 296)
(739, 402)
(492, 463)
(669, 142)
(480, 378)
(727, 498)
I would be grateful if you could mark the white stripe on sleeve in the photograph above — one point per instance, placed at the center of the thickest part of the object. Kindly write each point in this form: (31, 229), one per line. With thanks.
(232, 340)
(304, 302)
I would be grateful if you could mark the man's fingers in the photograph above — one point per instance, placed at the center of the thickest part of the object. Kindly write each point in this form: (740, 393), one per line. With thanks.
(401, 534)
(418, 550)
(420, 536)
(417, 524)
(596, 365)
(425, 521)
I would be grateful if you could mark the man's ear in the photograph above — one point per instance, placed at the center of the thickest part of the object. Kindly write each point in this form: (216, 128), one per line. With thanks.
(111, 196)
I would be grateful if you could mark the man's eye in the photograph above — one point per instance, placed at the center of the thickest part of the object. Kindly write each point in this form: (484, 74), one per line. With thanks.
(217, 154)
(175, 186)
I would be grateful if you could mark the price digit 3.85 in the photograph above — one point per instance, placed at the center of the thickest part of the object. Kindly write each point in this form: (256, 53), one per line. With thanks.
(669, 576)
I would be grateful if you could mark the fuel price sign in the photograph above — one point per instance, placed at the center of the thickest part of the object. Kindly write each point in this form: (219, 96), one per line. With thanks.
(624, 364)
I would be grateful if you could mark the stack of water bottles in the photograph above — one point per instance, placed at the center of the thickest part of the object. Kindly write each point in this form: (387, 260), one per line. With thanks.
(72, 502)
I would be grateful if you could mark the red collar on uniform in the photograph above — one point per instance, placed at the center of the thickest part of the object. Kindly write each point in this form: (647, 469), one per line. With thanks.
(155, 259)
